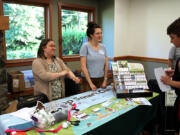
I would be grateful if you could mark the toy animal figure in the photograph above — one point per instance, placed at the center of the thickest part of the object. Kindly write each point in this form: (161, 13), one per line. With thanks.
(41, 117)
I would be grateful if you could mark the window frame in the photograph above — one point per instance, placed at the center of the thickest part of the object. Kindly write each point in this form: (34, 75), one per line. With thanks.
(47, 4)
(91, 17)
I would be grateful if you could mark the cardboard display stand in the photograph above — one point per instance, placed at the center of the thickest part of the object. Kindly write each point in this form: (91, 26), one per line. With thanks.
(129, 80)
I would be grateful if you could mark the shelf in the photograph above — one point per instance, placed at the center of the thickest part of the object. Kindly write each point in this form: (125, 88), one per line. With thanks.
(26, 92)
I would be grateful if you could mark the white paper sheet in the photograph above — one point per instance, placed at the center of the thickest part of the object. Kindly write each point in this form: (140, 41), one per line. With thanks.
(141, 101)
(24, 113)
(170, 97)
(158, 73)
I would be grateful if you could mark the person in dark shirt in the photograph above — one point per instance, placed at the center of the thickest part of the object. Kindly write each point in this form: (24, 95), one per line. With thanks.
(172, 77)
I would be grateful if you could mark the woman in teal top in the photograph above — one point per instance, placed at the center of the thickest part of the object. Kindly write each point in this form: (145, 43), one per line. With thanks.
(94, 61)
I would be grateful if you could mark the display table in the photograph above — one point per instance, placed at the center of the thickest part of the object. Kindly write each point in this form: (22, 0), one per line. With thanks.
(117, 117)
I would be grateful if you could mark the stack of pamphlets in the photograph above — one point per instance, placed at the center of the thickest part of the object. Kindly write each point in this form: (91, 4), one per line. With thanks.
(129, 79)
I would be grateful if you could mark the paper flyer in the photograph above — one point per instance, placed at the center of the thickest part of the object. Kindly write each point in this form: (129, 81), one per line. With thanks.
(129, 76)
(159, 72)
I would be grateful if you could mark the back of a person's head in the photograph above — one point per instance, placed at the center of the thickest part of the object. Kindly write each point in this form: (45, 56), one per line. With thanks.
(174, 28)
(91, 28)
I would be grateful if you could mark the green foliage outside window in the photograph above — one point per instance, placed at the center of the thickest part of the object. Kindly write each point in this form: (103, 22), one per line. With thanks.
(27, 29)
(74, 25)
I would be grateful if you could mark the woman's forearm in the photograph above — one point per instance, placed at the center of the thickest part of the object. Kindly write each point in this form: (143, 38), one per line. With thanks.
(71, 75)
(59, 74)
(175, 84)
(170, 63)
(85, 70)
(106, 70)
(86, 74)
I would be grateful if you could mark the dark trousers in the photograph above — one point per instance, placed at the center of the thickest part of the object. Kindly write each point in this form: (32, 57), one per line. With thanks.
(153, 86)
(176, 114)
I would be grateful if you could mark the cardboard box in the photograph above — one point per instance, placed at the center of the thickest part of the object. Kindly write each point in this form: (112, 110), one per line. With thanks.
(12, 107)
(16, 81)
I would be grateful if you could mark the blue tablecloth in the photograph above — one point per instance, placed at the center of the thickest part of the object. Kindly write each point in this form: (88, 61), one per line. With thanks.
(83, 101)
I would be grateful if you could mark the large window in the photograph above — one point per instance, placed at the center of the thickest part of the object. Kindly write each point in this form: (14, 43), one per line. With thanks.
(28, 26)
(73, 25)
(26, 31)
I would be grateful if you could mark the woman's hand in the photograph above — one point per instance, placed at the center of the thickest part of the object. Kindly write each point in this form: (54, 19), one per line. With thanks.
(93, 87)
(169, 72)
(166, 80)
(104, 84)
(76, 79)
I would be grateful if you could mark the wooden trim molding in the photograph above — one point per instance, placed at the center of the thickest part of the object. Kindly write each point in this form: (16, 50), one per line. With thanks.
(70, 58)
(141, 59)
(1, 7)
(77, 58)
(26, 92)
(4, 22)
(29, 1)
(19, 63)
(120, 58)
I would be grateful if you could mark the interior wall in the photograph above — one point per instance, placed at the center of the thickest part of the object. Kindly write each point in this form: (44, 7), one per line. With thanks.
(151, 18)
(140, 30)
(145, 22)
(130, 26)
(106, 20)
(121, 15)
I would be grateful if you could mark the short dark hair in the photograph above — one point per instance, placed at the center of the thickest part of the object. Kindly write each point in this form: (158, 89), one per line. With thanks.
(43, 44)
(91, 28)
(174, 28)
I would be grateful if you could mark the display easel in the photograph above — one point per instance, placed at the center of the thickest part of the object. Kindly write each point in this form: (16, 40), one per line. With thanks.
(129, 80)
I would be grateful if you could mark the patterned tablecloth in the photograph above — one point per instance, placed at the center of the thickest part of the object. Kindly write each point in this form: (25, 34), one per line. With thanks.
(99, 107)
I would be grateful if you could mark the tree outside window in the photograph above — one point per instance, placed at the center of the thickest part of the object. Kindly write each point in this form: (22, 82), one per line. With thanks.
(27, 29)
(73, 25)
(30, 22)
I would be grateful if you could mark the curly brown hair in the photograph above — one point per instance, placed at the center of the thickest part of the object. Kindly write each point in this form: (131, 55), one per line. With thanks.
(43, 44)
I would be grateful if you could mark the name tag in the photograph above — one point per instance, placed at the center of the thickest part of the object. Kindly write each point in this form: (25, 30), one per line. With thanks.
(101, 52)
